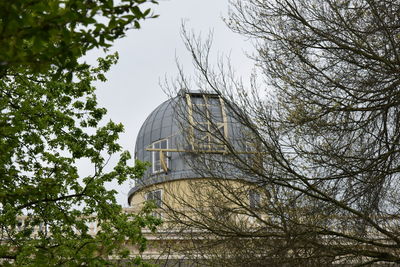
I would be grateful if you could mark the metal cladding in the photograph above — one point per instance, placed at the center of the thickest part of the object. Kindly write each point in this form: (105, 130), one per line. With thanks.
(166, 128)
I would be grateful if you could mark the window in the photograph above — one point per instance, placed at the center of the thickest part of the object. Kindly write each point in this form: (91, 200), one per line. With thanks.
(20, 223)
(254, 199)
(208, 123)
(40, 227)
(160, 157)
(155, 196)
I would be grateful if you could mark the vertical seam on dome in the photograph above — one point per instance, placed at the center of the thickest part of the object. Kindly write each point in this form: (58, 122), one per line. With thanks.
(152, 122)
(172, 163)
(162, 119)
(143, 127)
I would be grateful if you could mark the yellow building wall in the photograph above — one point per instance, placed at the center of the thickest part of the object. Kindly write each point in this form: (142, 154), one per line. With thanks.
(201, 193)
(186, 202)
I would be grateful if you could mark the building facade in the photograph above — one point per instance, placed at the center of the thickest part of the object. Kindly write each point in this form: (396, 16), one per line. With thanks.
(188, 140)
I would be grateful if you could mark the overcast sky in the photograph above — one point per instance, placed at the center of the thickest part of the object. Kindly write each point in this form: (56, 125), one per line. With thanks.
(147, 55)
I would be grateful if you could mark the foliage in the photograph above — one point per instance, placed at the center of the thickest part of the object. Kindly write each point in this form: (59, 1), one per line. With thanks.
(49, 121)
(322, 131)
(36, 34)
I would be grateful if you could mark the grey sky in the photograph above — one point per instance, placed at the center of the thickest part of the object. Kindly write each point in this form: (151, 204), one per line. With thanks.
(148, 55)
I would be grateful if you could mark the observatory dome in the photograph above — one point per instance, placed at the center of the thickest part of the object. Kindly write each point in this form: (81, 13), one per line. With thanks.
(167, 136)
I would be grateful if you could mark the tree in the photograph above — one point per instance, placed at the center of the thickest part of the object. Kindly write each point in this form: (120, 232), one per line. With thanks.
(50, 120)
(36, 35)
(322, 132)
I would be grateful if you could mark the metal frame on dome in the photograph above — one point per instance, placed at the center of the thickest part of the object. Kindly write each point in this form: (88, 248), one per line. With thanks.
(211, 127)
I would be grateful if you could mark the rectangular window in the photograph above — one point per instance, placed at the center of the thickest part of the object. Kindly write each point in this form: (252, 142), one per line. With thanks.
(208, 122)
(160, 157)
(155, 196)
(254, 199)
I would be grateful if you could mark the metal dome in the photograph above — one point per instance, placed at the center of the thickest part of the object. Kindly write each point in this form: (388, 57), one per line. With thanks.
(164, 130)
